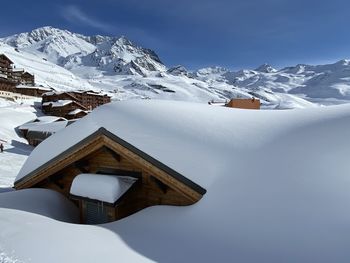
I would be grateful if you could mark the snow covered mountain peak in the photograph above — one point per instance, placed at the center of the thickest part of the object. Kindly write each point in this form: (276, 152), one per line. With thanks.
(123, 41)
(54, 43)
(70, 50)
(29, 38)
(343, 62)
(212, 70)
(178, 70)
(265, 68)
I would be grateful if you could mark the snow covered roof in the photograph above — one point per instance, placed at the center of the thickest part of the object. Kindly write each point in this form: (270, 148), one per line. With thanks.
(90, 92)
(76, 111)
(21, 86)
(27, 73)
(42, 120)
(169, 132)
(101, 187)
(47, 127)
(18, 69)
(50, 93)
(3, 56)
(59, 103)
(49, 119)
(45, 124)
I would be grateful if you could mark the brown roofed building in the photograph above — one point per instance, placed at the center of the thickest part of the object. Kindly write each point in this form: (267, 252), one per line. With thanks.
(106, 162)
(89, 99)
(17, 74)
(38, 130)
(7, 85)
(252, 103)
(27, 79)
(31, 90)
(77, 113)
(62, 108)
(55, 96)
(5, 65)
(11, 76)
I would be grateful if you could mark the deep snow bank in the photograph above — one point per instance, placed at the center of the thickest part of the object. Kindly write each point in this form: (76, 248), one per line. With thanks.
(16, 149)
(43, 202)
(277, 188)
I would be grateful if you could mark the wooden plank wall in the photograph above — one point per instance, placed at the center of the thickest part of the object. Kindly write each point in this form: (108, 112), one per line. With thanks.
(148, 191)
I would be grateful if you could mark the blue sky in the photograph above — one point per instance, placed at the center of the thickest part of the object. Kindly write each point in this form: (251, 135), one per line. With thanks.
(199, 33)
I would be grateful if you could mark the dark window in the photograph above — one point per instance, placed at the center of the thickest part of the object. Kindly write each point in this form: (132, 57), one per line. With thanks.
(95, 213)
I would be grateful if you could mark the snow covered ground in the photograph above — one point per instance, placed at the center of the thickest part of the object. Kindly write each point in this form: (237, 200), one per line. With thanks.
(277, 189)
(16, 149)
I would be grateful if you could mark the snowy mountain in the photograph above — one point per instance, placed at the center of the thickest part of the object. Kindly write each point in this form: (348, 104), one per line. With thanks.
(110, 54)
(64, 60)
(52, 42)
(322, 81)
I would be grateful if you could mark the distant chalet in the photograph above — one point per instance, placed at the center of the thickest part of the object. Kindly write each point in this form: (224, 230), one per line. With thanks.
(72, 104)
(253, 103)
(239, 103)
(41, 128)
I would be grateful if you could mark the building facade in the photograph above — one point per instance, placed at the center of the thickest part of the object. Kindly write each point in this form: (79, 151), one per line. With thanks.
(252, 103)
(10, 77)
(89, 99)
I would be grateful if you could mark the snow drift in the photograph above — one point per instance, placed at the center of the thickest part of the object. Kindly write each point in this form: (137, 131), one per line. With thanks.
(277, 188)
(16, 149)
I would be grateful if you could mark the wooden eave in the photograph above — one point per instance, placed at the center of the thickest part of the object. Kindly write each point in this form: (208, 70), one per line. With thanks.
(27, 74)
(103, 137)
(66, 93)
(80, 105)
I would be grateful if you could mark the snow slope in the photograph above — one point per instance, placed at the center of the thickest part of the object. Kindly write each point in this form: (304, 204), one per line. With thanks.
(277, 188)
(16, 149)
(46, 73)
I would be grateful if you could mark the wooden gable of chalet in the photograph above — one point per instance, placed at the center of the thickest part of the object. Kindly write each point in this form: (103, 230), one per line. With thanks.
(4, 57)
(64, 95)
(121, 149)
(79, 105)
(75, 103)
(27, 75)
(70, 95)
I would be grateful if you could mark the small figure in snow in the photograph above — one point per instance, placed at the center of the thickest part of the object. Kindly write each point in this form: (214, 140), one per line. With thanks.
(1, 147)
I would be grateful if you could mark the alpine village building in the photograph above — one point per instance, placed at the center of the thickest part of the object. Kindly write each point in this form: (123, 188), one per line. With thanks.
(253, 103)
(17, 80)
(108, 178)
(72, 104)
(69, 105)
(239, 103)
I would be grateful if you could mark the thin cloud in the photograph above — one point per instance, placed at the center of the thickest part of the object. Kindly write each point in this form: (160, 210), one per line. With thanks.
(75, 15)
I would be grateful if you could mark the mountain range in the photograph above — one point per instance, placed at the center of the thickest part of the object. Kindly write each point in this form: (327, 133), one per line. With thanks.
(64, 60)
